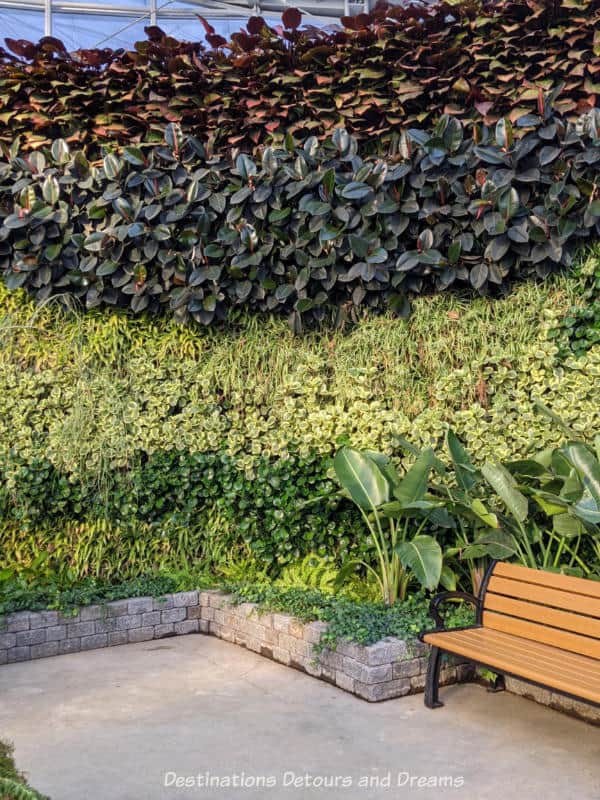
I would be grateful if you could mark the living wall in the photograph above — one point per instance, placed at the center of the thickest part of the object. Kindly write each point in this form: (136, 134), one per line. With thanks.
(133, 443)
(315, 232)
(395, 66)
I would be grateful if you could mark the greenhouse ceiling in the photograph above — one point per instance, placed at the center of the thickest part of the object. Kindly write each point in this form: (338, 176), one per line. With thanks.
(120, 23)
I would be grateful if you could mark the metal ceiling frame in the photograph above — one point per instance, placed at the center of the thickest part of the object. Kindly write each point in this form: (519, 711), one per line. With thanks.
(316, 10)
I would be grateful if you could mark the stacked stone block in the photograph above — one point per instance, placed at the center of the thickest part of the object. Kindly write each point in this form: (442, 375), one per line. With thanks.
(28, 635)
(381, 671)
(546, 697)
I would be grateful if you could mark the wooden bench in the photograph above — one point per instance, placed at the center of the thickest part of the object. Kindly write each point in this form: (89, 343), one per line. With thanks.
(539, 627)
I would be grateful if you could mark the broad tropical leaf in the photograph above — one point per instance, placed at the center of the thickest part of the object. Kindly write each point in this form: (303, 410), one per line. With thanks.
(362, 478)
(550, 504)
(413, 485)
(505, 486)
(527, 468)
(492, 544)
(448, 579)
(567, 525)
(484, 514)
(466, 474)
(587, 509)
(423, 557)
(587, 467)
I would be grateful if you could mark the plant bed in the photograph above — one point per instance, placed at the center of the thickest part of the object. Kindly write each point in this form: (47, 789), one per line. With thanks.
(13, 783)
(391, 667)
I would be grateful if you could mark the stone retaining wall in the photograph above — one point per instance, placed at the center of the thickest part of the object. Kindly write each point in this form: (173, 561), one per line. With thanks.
(389, 668)
(38, 634)
(575, 708)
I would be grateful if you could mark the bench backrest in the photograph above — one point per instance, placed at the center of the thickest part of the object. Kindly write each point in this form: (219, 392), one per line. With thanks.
(545, 607)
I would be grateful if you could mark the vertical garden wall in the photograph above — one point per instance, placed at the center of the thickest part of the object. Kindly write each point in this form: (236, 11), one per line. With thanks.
(410, 249)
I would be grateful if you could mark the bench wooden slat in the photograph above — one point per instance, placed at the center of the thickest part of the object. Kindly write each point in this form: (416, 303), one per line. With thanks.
(553, 580)
(492, 652)
(541, 655)
(534, 612)
(564, 640)
(526, 667)
(580, 604)
(550, 673)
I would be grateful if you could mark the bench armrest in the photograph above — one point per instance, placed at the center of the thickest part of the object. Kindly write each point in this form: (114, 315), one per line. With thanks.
(442, 598)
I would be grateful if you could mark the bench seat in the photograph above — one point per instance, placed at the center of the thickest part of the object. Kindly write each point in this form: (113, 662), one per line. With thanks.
(568, 673)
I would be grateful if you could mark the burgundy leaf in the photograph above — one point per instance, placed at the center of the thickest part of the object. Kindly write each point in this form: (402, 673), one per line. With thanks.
(154, 33)
(22, 48)
(215, 40)
(291, 18)
(208, 28)
(256, 25)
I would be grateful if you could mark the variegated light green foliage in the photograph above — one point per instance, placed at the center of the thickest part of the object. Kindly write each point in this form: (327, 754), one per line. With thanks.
(92, 392)
(177, 436)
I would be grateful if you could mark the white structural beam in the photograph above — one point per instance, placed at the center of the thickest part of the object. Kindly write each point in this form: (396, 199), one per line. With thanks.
(48, 18)
(152, 11)
(322, 9)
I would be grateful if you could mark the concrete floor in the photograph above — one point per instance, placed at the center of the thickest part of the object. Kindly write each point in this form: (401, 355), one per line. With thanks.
(109, 724)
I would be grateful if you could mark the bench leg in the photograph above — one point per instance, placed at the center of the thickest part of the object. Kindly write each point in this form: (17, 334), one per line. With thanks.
(497, 685)
(433, 679)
